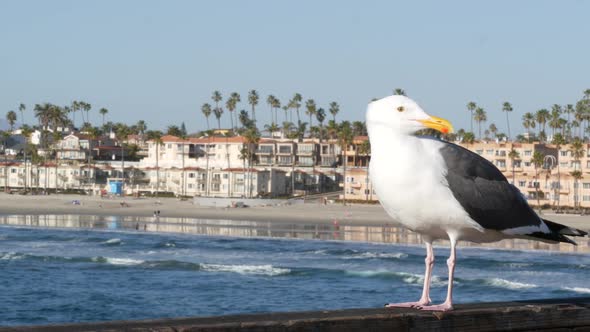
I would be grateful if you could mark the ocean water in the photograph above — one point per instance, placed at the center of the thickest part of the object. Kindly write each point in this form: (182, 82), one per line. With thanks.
(51, 275)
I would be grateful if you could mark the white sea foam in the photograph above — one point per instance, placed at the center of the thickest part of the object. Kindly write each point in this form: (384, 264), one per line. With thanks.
(365, 255)
(268, 270)
(578, 289)
(503, 283)
(11, 256)
(118, 261)
(369, 273)
(113, 241)
(170, 244)
(517, 265)
(418, 279)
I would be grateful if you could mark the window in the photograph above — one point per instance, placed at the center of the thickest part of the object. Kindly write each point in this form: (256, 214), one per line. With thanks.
(528, 153)
(527, 164)
(225, 175)
(500, 163)
(563, 153)
(305, 148)
(586, 198)
(490, 151)
(480, 152)
(576, 165)
(563, 164)
(265, 149)
(284, 149)
(521, 183)
(191, 175)
(516, 163)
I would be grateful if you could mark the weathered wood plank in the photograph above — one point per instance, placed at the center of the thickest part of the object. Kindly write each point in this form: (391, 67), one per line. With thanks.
(548, 315)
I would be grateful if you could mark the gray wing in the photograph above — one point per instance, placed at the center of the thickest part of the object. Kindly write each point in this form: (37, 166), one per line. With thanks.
(483, 191)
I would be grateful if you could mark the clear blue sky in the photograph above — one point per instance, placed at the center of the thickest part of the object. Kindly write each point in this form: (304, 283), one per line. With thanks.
(160, 60)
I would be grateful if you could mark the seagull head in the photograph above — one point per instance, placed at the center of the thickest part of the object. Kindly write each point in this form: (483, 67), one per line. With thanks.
(404, 116)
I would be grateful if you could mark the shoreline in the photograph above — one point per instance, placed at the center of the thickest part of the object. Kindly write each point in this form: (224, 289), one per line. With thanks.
(355, 214)
(365, 223)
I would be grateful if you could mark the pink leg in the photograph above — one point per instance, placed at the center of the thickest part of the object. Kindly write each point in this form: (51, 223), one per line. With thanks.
(448, 304)
(425, 299)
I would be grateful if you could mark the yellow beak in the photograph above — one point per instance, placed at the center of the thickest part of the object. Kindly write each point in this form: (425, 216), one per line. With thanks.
(438, 124)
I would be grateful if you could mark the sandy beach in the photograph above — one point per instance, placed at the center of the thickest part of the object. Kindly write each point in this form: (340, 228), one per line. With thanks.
(370, 215)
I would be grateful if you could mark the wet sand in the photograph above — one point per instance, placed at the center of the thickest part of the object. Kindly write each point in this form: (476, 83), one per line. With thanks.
(369, 215)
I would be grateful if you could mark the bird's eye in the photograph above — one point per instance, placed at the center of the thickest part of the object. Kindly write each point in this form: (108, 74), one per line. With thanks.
(400, 109)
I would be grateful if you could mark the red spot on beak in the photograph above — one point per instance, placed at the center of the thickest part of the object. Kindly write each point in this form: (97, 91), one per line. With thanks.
(445, 130)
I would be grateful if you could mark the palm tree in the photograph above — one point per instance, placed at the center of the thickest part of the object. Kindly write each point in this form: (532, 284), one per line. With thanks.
(22, 108)
(493, 129)
(577, 151)
(272, 128)
(5, 136)
(245, 120)
(206, 110)
(26, 132)
(73, 108)
(287, 128)
(156, 136)
(253, 101)
(480, 116)
(141, 127)
(334, 109)
(537, 161)
(230, 104)
(236, 98)
(321, 116)
(252, 138)
(103, 111)
(297, 99)
(558, 141)
(276, 104)
(506, 107)
(270, 100)
(344, 140)
(577, 175)
(216, 97)
(86, 107)
(528, 121)
(399, 92)
(218, 111)
(513, 155)
(471, 106)
(311, 110)
(11, 118)
(569, 109)
(542, 116)
(365, 149)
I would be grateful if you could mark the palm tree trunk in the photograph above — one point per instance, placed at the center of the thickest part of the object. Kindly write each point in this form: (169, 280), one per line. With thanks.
(344, 176)
(157, 168)
(508, 125)
(183, 173)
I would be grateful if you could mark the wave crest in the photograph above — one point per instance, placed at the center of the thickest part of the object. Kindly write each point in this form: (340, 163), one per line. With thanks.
(503, 283)
(268, 270)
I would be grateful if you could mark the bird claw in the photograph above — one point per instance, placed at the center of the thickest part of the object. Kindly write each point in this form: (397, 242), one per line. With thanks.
(437, 307)
(407, 304)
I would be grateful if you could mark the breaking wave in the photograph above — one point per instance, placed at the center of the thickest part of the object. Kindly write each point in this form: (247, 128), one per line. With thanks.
(113, 242)
(268, 270)
(507, 284)
(581, 290)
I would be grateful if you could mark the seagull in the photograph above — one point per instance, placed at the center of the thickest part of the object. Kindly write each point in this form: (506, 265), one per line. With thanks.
(444, 191)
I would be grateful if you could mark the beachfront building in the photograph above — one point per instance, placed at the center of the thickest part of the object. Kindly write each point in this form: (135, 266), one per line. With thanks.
(227, 182)
(551, 183)
(26, 175)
